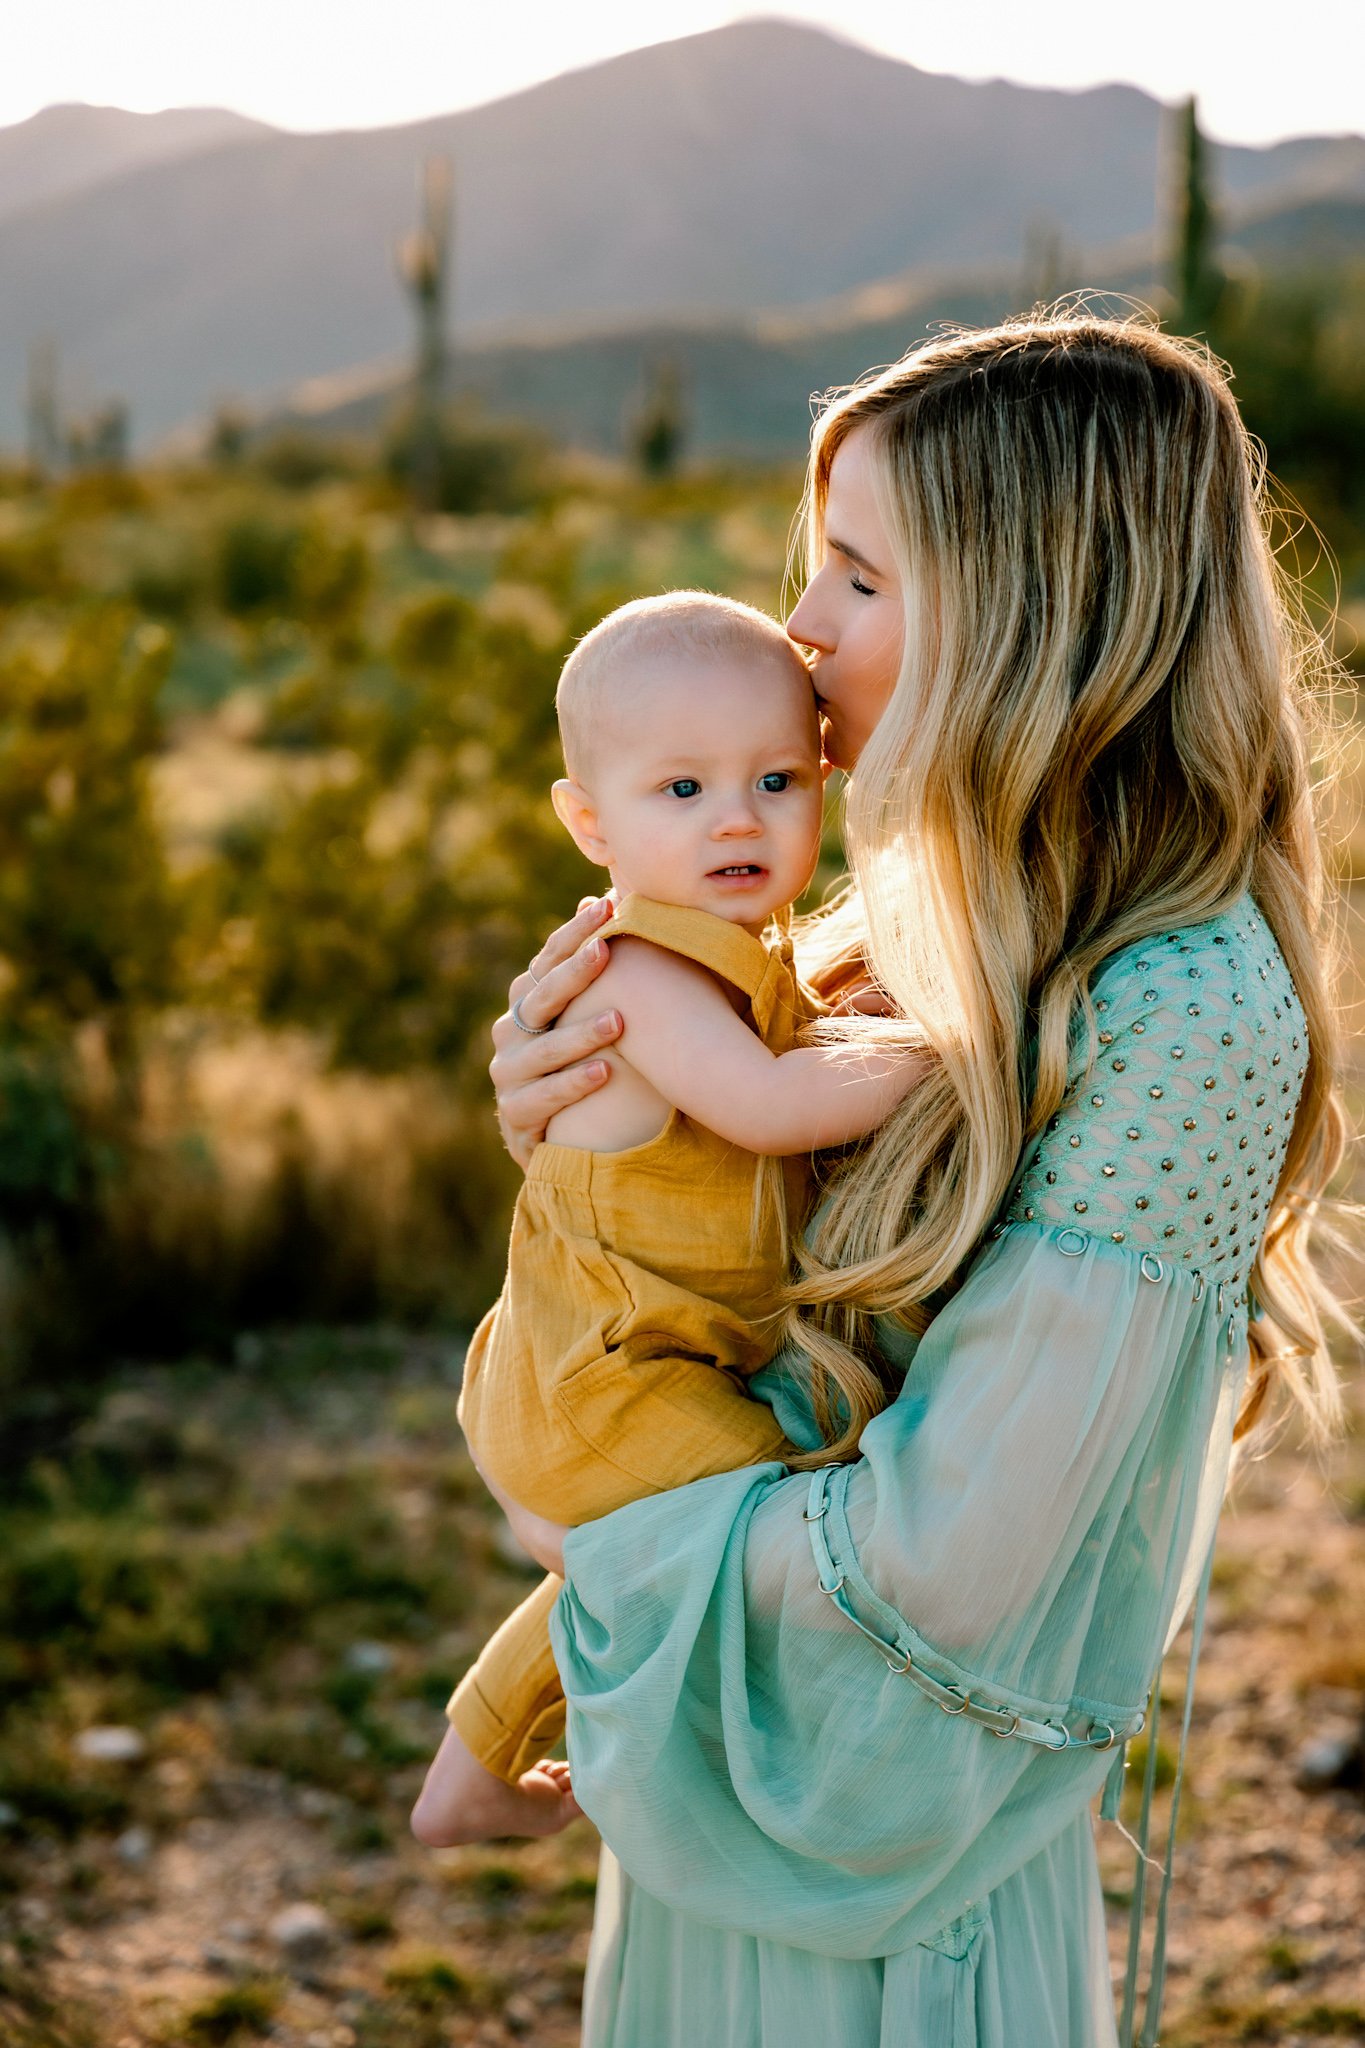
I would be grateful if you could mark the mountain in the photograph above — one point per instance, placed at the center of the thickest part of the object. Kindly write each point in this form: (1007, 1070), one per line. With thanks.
(64, 150)
(761, 164)
(748, 381)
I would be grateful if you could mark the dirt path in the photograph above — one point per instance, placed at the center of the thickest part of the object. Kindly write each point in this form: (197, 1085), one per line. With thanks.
(286, 1786)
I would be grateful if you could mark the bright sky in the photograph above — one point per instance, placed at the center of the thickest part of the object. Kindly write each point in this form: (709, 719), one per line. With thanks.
(366, 63)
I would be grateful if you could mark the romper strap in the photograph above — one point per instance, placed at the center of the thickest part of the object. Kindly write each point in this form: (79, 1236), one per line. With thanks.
(713, 942)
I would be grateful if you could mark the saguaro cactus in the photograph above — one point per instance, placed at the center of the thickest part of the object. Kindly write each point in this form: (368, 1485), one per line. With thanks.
(660, 424)
(424, 262)
(1197, 279)
(42, 409)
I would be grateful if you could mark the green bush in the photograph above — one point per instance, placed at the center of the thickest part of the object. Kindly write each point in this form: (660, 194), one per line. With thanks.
(257, 565)
(481, 465)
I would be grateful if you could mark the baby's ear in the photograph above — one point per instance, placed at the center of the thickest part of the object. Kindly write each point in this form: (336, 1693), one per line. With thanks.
(577, 813)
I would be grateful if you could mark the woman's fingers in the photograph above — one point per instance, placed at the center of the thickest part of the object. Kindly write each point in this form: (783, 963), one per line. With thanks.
(566, 939)
(523, 1113)
(537, 1071)
(519, 1059)
(542, 996)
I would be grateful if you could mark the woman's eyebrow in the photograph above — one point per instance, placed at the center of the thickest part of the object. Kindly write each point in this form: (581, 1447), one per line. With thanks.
(841, 547)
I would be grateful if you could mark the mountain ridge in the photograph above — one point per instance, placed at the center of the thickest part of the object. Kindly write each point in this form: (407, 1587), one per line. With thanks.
(746, 382)
(72, 146)
(757, 165)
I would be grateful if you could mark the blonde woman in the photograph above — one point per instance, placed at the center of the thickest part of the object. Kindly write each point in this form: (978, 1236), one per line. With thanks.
(842, 1728)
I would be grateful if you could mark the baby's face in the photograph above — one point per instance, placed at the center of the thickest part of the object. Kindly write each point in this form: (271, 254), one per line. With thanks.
(706, 782)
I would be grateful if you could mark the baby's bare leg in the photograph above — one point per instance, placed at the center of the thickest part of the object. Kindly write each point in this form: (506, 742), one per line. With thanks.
(462, 1802)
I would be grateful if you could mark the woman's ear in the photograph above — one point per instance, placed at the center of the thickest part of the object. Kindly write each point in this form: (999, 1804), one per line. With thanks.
(578, 815)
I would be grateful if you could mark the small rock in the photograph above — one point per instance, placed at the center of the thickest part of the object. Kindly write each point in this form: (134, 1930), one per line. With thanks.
(134, 1846)
(111, 1745)
(305, 1932)
(1329, 1761)
(9, 1815)
(370, 1660)
(519, 2015)
(238, 1930)
(315, 1804)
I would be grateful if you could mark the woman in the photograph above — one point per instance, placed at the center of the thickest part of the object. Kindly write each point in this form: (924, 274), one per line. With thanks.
(842, 1731)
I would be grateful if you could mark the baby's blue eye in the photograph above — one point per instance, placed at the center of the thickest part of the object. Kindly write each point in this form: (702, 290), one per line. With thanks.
(775, 782)
(685, 786)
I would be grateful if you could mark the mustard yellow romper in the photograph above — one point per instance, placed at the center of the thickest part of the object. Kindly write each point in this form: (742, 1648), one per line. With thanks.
(638, 1299)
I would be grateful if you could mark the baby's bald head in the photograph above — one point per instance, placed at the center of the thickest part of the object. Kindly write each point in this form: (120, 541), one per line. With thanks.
(607, 667)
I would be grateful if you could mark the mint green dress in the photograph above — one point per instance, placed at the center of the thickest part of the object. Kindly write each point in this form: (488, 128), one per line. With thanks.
(810, 1843)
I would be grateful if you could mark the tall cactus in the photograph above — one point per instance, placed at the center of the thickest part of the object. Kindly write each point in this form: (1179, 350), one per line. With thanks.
(659, 427)
(424, 262)
(1197, 278)
(42, 409)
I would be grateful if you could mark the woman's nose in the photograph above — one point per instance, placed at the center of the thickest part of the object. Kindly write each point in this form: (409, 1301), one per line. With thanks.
(805, 626)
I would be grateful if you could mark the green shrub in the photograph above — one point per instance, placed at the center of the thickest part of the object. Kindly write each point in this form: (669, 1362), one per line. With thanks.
(257, 565)
(243, 2009)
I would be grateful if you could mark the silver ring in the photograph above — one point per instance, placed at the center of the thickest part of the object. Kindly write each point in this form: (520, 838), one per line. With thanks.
(531, 1030)
(535, 978)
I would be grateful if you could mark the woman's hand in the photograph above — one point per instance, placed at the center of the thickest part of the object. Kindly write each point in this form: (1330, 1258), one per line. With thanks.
(851, 989)
(537, 1076)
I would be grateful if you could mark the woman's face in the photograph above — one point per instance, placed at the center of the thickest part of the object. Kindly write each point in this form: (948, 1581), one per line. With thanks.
(851, 613)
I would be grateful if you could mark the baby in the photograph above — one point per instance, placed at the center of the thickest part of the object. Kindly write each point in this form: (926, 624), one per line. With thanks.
(648, 1245)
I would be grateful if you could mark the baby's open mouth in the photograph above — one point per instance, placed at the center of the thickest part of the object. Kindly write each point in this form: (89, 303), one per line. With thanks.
(738, 870)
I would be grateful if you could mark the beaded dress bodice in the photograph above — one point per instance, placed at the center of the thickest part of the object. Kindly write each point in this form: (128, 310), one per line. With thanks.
(1173, 1141)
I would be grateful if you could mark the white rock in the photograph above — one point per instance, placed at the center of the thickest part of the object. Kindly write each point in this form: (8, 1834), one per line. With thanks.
(111, 1745)
(9, 1815)
(303, 1931)
(315, 1804)
(134, 1846)
(371, 1660)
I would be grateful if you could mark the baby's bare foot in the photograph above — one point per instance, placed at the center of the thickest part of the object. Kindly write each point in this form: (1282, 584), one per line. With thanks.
(462, 1802)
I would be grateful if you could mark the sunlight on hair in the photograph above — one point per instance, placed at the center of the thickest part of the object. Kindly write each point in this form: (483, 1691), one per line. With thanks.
(1103, 729)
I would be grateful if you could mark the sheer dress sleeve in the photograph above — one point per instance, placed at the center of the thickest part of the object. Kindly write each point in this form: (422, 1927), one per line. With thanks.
(1022, 1528)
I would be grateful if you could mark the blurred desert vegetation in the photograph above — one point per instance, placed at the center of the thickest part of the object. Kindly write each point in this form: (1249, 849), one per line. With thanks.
(274, 837)
(276, 735)
(274, 831)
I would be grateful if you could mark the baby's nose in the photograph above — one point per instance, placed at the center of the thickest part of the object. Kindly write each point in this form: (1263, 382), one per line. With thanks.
(738, 820)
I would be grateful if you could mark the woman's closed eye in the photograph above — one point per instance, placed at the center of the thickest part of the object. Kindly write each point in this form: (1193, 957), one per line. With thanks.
(863, 589)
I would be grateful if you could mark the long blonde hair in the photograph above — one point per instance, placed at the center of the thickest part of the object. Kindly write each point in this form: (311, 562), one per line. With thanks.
(1098, 733)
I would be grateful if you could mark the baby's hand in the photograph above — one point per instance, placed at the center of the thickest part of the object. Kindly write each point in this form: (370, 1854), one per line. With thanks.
(463, 1802)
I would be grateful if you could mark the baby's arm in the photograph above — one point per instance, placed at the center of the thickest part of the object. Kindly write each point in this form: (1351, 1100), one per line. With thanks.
(684, 1039)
